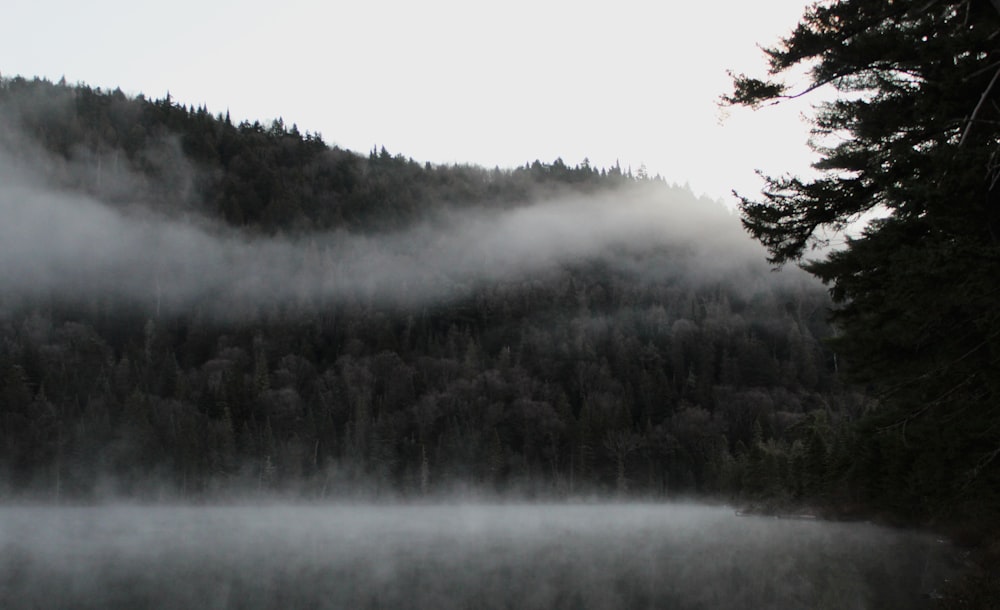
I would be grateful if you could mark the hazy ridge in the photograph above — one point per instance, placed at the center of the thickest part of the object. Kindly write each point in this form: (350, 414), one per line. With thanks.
(194, 307)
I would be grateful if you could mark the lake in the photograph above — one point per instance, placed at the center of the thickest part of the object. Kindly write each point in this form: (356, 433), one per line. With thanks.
(455, 556)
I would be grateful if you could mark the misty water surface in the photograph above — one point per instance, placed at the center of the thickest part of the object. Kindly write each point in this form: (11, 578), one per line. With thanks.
(465, 556)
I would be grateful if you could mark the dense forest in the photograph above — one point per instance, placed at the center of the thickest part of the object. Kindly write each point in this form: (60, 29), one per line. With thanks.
(648, 367)
(645, 368)
(197, 309)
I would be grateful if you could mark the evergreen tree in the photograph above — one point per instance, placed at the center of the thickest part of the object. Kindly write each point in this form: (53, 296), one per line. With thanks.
(915, 125)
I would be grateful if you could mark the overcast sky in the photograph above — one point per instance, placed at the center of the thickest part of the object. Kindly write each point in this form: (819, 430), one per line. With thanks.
(447, 81)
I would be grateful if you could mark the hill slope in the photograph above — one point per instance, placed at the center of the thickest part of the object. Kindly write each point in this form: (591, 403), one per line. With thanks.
(191, 307)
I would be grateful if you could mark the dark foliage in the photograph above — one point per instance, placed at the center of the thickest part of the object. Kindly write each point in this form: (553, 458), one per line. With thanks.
(915, 135)
(582, 381)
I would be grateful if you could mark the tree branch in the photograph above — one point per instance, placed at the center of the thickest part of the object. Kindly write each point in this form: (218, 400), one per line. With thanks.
(982, 98)
(985, 461)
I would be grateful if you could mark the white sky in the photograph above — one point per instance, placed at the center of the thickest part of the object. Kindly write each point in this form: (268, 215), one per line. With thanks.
(448, 81)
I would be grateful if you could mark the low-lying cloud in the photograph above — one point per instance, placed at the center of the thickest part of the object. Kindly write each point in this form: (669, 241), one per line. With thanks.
(457, 556)
(55, 243)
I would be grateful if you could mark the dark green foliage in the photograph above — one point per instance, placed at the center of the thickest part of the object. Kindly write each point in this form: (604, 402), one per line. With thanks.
(914, 140)
(567, 403)
(583, 379)
(264, 178)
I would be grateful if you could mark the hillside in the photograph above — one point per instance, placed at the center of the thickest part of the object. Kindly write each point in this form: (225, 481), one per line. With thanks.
(191, 307)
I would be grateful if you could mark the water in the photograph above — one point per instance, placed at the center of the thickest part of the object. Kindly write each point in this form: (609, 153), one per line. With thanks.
(461, 556)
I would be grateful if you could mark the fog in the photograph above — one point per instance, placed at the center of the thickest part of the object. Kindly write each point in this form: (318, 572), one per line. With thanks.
(71, 246)
(458, 556)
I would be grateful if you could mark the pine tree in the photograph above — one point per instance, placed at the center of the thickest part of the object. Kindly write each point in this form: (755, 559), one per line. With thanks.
(915, 139)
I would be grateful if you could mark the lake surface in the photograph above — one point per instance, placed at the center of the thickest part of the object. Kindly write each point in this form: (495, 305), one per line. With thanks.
(455, 556)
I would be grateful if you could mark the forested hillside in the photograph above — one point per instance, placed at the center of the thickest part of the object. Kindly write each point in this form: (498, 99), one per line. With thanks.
(483, 332)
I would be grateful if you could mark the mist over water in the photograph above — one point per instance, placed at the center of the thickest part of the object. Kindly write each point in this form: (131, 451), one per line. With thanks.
(458, 556)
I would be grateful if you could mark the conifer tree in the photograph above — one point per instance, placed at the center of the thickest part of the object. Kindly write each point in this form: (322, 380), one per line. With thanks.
(912, 137)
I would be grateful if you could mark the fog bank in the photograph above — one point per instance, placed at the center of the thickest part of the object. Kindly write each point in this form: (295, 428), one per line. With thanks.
(71, 246)
(464, 556)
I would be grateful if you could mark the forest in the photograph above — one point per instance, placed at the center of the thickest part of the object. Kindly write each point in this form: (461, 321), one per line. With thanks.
(194, 309)
(637, 369)
(250, 310)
